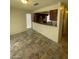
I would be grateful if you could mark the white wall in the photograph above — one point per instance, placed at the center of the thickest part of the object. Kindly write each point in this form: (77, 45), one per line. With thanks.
(51, 32)
(17, 21)
(28, 20)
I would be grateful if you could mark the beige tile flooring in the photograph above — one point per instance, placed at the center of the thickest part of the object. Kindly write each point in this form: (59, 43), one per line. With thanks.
(32, 45)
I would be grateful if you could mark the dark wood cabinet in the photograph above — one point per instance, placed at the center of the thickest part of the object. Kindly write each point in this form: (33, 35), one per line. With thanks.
(47, 18)
(53, 15)
(39, 18)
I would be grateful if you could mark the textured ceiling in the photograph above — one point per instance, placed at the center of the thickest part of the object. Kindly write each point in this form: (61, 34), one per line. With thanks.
(30, 4)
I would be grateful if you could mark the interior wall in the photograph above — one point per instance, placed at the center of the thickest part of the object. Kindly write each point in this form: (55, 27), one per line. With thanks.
(28, 20)
(17, 21)
(51, 32)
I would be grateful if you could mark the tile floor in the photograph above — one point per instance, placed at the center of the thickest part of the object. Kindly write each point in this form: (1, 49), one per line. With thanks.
(32, 45)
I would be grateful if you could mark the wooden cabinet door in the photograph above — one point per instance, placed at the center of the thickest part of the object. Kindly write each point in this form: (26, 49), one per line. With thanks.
(53, 15)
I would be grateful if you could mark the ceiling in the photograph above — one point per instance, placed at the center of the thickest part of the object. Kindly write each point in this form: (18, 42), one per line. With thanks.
(30, 4)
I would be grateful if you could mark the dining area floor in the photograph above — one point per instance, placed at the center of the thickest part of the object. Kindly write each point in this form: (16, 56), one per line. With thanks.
(33, 45)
